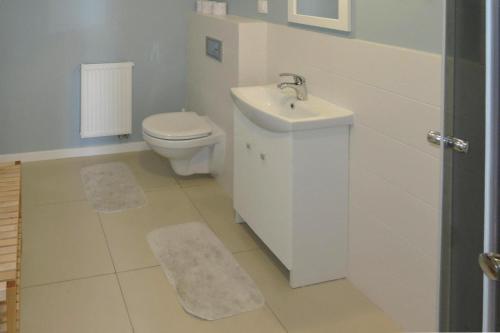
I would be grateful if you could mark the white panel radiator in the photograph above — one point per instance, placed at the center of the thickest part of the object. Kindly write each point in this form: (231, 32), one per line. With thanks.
(106, 100)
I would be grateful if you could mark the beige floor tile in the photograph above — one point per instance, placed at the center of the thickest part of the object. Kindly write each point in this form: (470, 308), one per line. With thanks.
(150, 169)
(154, 308)
(216, 207)
(99, 159)
(52, 181)
(194, 180)
(328, 307)
(92, 305)
(126, 231)
(61, 242)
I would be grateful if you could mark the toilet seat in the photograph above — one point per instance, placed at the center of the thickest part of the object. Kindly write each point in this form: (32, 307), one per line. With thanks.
(177, 126)
(193, 144)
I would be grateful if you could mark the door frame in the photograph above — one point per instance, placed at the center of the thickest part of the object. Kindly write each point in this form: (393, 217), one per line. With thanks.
(491, 156)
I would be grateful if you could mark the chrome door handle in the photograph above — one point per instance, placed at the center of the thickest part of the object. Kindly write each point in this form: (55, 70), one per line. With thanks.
(460, 145)
(434, 137)
(457, 144)
(490, 264)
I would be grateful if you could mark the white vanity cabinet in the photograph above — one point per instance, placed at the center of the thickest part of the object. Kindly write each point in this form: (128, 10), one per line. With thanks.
(291, 188)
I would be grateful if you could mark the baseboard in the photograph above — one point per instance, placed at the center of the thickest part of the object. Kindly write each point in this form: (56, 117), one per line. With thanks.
(75, 152)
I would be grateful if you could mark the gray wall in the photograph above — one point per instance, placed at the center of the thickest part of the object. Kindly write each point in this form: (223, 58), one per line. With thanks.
(43, 42)
(415, 24)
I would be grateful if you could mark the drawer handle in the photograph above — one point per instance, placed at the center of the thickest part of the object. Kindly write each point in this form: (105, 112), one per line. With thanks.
(263, 156)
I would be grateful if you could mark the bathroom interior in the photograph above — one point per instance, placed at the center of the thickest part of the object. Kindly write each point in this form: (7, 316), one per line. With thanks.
(249, 166)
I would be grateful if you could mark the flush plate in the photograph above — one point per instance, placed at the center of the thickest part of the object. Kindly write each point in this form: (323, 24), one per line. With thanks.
(214, 48)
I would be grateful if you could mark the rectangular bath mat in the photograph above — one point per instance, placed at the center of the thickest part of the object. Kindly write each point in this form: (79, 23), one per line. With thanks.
(209, 282)
(111, 187)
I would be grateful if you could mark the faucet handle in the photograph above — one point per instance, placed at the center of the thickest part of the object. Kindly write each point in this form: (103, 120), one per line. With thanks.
(298, 79)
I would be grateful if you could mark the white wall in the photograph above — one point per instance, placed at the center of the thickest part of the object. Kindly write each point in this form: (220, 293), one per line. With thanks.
(395, 94)
(209, 81)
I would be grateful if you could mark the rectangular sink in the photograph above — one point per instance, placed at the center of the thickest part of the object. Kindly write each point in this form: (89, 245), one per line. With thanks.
(279, 110)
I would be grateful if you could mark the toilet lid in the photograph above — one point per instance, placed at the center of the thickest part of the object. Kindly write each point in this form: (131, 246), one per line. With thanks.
(177, 126)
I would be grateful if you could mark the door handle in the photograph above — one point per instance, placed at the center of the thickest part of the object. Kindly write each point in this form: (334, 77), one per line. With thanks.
(490, 264)
(457, 144)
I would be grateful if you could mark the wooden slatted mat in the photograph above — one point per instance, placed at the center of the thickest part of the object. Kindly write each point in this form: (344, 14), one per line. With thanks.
(10, 246)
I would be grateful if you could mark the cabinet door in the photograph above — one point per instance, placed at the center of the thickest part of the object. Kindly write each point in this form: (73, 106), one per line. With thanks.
(245, 170)
(262, 190)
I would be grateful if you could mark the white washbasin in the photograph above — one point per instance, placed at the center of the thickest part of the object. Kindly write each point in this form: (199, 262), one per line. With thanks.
(279, 110)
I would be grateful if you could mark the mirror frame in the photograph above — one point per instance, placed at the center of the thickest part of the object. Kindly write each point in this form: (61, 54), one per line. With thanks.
(343, 23)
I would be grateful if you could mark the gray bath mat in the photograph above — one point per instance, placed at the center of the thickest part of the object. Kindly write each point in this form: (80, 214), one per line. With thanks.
(210, 283)
(111, 187)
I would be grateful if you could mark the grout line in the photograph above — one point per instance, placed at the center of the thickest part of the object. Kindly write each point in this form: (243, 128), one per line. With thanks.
(106, 241)
(395, 185)
(211, 228)
(257, 247)
(375, 86)
(399, 141)
(115, 273)
(44, 204)
(125, 303)
(234, 253)
(68, 280)
(79, 278)
(410, 243)
(88, 277)
(177, 181)
(199, 211)
(138, 269)
(276, 316)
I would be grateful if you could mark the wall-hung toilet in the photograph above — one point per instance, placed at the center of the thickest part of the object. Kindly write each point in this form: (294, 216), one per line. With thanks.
(192, 143)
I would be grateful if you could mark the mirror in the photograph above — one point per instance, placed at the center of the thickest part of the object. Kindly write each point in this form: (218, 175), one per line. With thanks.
(320, 8)
(330, 14)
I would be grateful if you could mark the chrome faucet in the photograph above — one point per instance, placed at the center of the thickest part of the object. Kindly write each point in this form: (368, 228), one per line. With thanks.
(298, 84)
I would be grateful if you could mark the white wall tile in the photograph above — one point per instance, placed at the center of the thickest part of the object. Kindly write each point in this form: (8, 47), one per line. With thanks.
(409, 169)
(408, 217)
(253, 54)
(390, 271)
(395, 94)
(411, 73)
(396, 116)
(210, 81)
(399, 117)
(286, 52)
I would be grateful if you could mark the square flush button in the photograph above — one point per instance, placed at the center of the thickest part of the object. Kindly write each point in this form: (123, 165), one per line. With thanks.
(214, 48)
(262, 6)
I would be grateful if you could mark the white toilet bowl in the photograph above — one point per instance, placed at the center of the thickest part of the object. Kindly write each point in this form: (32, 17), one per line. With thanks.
(192, 143)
